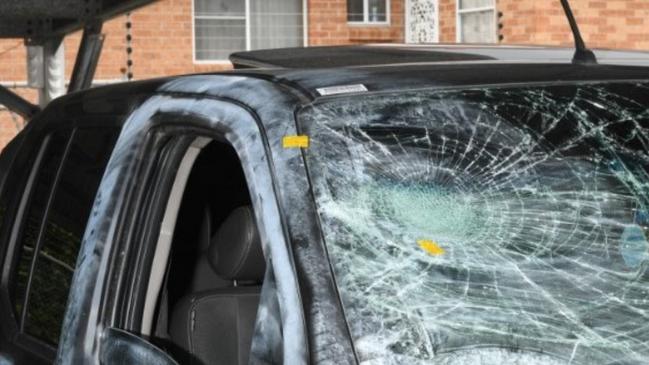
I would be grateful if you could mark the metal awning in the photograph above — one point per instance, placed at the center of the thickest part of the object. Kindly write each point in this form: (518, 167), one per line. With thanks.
(45, 23)
(48, 18)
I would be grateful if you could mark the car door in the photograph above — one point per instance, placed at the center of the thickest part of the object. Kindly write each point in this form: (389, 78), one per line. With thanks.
(50, 176)
(118, 256)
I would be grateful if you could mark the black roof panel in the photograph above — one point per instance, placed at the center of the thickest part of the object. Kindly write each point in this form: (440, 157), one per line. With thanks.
(339, 56)
(384, 78)
(419, 76)
(47, 18)
(386, 54)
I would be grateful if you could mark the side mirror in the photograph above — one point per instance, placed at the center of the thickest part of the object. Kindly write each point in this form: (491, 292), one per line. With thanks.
(121, 347)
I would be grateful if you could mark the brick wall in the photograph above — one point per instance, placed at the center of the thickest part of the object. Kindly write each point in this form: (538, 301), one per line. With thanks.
(621, 24)
(162, 36)
(520, 21)
(328, 24)
(12, 65)
(161, 43)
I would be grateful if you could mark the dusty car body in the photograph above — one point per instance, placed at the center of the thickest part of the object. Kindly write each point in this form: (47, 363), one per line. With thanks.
(403, 210)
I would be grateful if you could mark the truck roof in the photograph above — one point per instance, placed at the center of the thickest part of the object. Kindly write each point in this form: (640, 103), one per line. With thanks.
(441, 76)
(482, 67)
(393, 54)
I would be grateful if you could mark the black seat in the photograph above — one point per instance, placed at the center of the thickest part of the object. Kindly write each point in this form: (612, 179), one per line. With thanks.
(216, 326)
(204, 277)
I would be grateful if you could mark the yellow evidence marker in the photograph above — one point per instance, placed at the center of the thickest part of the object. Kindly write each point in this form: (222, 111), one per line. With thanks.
(295, 142)
(431, 247)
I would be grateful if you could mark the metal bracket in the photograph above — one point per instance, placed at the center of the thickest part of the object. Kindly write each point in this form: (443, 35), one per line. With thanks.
(17, 104)
(46, 67)
(87, 58)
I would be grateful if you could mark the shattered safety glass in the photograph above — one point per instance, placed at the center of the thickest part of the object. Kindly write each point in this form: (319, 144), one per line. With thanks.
(488, 226)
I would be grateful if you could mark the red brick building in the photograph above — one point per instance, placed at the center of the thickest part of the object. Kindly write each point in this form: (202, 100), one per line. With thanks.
(185, 36)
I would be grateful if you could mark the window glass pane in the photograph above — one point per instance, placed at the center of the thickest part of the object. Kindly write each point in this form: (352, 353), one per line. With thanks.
(34, 216)
(8, 154)
(220, 8)
(488, 223)
(355, 10)
(276, 24)
(64, 227)
(217, 38)
(472, 4)
(478, 27)
(377, 10)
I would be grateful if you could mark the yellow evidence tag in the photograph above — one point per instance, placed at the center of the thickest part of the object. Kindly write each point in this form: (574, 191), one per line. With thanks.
(295, 142)
(431, 247)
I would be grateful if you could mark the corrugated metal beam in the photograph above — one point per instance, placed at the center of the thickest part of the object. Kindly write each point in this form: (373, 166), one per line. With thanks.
(13, 28)
(17, 104)
(46, 18)
(87, 57)
(44, 8)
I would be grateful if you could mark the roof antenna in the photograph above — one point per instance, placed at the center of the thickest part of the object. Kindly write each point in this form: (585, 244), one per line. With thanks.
(583, 55)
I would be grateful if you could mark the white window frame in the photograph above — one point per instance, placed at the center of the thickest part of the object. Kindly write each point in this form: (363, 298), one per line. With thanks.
(246, 17)
(366, 15)
(458, 18)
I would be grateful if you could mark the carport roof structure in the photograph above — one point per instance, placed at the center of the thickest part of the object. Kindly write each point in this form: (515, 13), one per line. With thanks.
(48, 18)
(43, 21)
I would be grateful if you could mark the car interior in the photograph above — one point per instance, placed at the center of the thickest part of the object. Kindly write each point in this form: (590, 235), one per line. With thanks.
(206, 300)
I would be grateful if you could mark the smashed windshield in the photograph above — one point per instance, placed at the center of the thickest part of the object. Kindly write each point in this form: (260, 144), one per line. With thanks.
(488, 226)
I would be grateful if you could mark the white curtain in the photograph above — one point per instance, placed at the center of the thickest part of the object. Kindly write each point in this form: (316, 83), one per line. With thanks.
(276, 24)
(478, 27)
(220, 28)
(469, 4)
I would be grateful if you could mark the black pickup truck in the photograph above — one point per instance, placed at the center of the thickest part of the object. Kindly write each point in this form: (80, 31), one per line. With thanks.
(368, 204)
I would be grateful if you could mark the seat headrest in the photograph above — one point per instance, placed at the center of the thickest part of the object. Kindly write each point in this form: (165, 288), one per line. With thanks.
(235, 250)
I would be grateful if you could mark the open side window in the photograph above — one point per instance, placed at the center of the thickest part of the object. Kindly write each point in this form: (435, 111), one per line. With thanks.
(217, 273)
(208, 292)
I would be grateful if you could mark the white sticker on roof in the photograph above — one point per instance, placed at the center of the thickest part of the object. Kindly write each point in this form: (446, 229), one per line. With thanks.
(344, 89)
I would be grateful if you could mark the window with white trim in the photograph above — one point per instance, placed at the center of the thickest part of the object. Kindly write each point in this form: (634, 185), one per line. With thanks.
(476, 21)
(368, 11)
(222, 27)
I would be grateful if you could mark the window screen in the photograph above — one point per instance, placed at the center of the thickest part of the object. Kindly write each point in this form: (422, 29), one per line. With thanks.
(222, 27)
(477, 20)
(376, 11)
(276, 24)
(54, 226)
(471, 4)
(367, 11)
(355, 10)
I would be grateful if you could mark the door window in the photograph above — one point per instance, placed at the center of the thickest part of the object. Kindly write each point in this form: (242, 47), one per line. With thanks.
(58, 209)
(54, 149)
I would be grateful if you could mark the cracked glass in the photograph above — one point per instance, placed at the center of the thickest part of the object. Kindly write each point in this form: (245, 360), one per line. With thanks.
(490, 225)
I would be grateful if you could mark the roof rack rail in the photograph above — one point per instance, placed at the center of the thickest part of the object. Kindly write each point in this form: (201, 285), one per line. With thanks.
(583, 55)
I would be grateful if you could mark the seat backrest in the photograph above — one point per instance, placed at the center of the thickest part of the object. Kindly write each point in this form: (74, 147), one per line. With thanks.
(235, 250)
(204, 277)
(216, 326)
